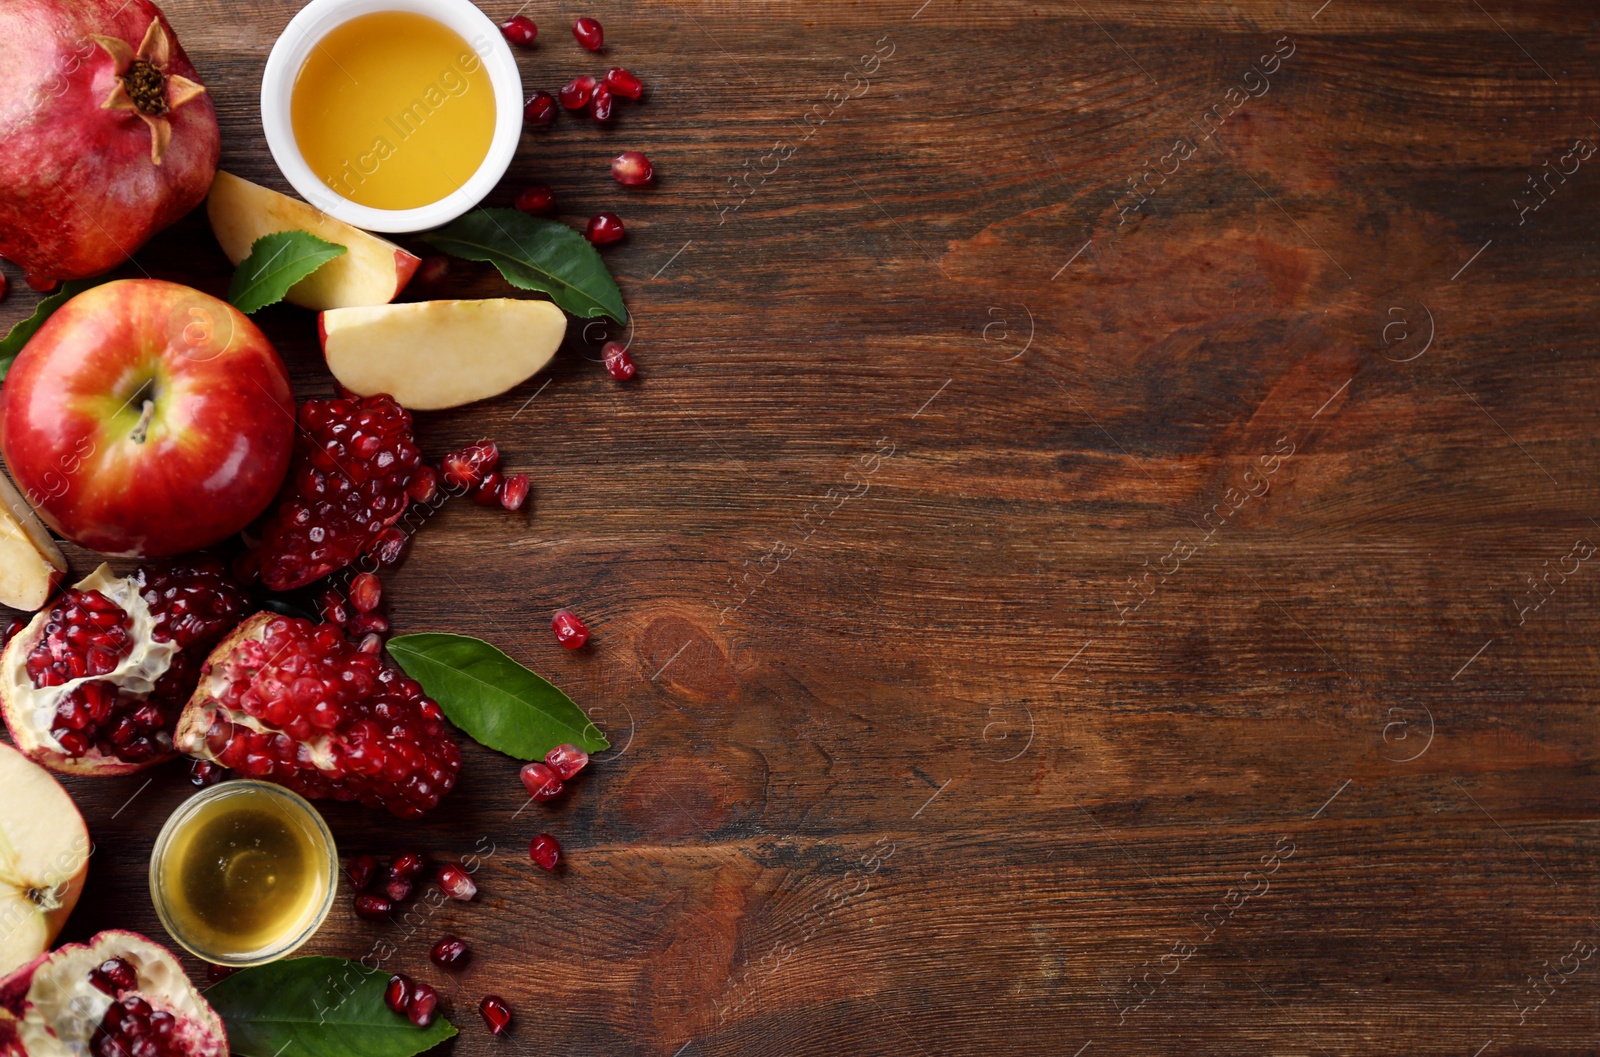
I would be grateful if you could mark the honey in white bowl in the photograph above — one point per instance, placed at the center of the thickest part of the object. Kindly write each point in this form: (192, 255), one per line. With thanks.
(243, 873)
(393, 110)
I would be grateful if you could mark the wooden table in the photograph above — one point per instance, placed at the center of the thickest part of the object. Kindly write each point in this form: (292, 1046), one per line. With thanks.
(1094, 561)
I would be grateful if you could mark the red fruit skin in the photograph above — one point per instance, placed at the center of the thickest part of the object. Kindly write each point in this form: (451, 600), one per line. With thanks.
(213, 455)
(78, 190)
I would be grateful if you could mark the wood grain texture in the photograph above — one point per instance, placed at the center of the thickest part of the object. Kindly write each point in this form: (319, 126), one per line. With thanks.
(892, 773)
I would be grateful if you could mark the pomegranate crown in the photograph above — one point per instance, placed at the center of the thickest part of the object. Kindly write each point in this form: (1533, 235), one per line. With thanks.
(144, 86)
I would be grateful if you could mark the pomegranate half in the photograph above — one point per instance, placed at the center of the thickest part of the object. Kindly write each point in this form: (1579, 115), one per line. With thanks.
(95, 683)
(119, 995)
(106, 134)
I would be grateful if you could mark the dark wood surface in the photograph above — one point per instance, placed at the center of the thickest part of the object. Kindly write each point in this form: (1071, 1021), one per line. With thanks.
(810, 658)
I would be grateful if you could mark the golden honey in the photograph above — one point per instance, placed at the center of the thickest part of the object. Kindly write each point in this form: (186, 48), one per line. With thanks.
(243, 873)
(393, 110)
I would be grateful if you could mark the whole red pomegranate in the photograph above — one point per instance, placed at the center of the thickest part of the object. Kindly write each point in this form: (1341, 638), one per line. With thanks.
(292, 702)
(106, 134)
(95, 683)
(119, 995)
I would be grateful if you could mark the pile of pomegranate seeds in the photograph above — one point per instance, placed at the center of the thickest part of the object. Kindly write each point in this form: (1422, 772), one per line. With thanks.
(360, 613)
(496, 1014)
(472, 469)
(520, 30)
(302, 706)
(546, 851)
(354, 460)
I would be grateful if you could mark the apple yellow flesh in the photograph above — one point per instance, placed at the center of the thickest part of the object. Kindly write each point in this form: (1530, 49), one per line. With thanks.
(373, 272)
(44, 857)
(434, 354)
(31, 565)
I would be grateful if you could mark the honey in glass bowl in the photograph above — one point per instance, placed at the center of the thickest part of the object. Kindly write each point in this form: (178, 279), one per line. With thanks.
(243, 873)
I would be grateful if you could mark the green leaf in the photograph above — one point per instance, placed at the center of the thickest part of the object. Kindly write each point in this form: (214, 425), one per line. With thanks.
(277, 262)
(493, 698)
(317, 1007)
(536, 254)
(19, 334)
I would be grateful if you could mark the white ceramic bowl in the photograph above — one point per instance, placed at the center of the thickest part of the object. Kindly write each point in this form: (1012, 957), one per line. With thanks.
(289, 54)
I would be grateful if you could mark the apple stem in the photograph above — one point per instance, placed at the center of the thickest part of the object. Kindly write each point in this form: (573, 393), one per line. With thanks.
(142, 427)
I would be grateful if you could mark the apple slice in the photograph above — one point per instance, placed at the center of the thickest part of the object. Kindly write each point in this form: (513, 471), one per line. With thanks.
(44, 857)
(373, 272)
(433, 354)
(31, 565)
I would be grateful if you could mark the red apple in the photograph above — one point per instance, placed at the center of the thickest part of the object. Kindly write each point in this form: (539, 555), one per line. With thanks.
(145, 419)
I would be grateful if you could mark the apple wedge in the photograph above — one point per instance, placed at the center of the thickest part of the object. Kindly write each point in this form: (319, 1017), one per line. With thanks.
(31, 565)
(44, 857)
(373, 272)
(434, 354)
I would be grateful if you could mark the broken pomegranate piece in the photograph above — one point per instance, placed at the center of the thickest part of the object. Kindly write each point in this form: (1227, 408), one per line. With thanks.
(297, 703)
(353, 463)
(94, 685)
(119, 995)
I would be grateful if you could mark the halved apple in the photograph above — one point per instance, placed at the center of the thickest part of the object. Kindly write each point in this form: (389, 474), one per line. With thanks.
(373, 272)
(44, 857)
(31, 565)
(433, 354)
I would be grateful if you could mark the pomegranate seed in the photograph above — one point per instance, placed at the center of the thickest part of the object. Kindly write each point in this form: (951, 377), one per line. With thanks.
(408, 865)
(371, 643)
(514, 492)
(538, 201)
(389, 546)
(331, 607)
(604, 229)
(488, 491)
(632, 169)
(361, 871)
(424, 1004)
(203, 773)
(618, 363)
(41, 284)
(589, 33)
(397, 996)
(566, 761)
(545, 850)
(540, 109)
(575, 94)
(373, 907)
(457, 883)
(114, 976)
(449, 953)
(496, 1014)
(398, 889)
(432, 271)
(4, 286)
(519, 30)
(600, 106)
(570, 631)
(218, 973)
(542, 782)
(15, 624)
(465, 468)
(366, 592)
(623, 83)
